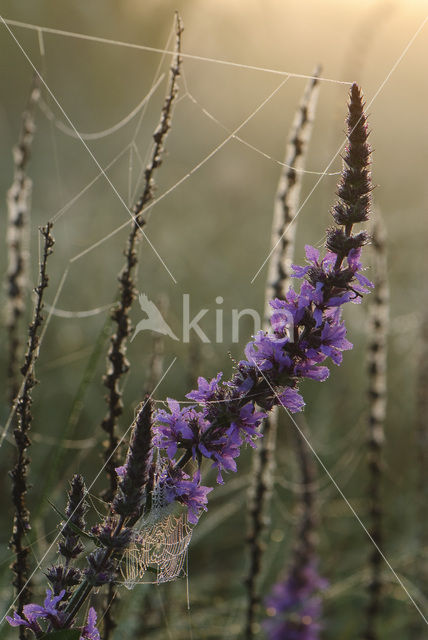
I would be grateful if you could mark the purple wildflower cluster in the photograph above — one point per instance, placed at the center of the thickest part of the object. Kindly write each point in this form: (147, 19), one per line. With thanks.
(306, 329)
(216, 432)
(222, 416)
(294, 607)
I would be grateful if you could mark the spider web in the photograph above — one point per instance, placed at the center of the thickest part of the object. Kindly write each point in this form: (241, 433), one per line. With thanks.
(158, 552)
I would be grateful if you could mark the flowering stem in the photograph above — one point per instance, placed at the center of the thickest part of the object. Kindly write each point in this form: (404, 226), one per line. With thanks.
(85, 588)
(19, 473)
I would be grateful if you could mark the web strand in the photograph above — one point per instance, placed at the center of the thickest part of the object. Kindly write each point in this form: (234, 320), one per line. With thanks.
(141, 47)
(69, 131)
(378, 91)
(209, 115)
(185, 177)
(121, 200)
(342, 495)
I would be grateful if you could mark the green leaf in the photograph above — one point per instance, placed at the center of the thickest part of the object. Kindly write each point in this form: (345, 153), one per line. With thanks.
(71, 524)
(63, 634)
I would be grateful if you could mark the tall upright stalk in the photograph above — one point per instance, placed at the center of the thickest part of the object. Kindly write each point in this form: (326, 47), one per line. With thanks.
(282, 242)
(18, 210)
(306, 537)
(19, 473)
(118, 364)
(377, 362)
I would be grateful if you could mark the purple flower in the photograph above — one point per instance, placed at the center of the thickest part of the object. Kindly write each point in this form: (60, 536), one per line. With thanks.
(312, 370)
(294, 606)
(224, 453)
(89, 631)
(174, 427)
(30, 622)
(216, 433)
(333, 341)
(207, 391)
(120, 471)
(291, 400)
(247, 424)
(364, 284)
(313, 258)
(33, 612)
(267, 352)
(187, 491)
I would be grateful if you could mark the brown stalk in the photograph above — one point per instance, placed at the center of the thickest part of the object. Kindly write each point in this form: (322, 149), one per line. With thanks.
(118, 364)
(22, 405)
(282, 242)
(306, 538)
(18, 209)
(376, 364)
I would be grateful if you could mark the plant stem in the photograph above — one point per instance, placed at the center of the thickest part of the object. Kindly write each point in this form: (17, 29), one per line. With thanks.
(118, 364)
(22, 404)
(279, 279)
(18, 206)
(376, 361)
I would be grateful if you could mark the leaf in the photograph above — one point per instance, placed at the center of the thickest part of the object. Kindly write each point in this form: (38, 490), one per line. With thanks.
(71, 524)
(63, 634)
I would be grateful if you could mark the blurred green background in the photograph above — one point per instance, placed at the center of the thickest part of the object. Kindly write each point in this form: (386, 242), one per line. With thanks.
(213, 233)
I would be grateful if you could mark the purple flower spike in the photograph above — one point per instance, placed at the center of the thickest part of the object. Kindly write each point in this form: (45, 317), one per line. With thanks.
(294, 607)
(90, 632)
(306, 330)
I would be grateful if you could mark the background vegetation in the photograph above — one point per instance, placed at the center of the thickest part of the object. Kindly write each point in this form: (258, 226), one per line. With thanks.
(213, 232)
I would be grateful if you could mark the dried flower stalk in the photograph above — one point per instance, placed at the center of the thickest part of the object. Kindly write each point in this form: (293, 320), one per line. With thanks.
(288, 195)
(118, 364)
(377, 363)
(19, 473)
(306, 538)
(283, 230)
(18, 208)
